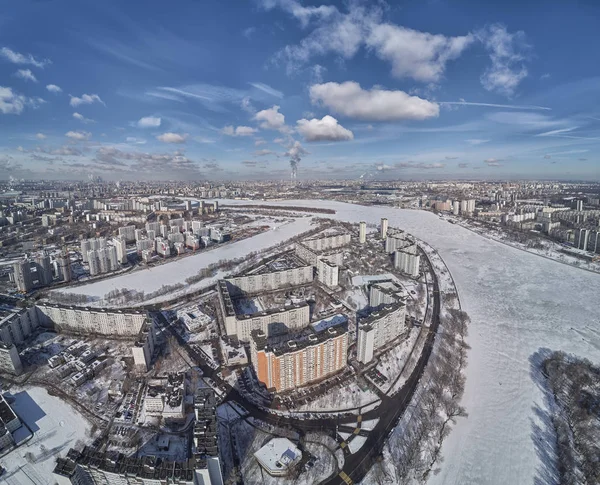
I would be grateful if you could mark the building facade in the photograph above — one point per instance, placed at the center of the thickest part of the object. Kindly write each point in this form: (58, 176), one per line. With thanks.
(407, 260)
(379, 329)
(92, 321)
(286, 364)
(268, 281)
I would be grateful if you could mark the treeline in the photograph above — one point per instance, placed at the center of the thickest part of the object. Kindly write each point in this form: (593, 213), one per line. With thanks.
(575, 384)
(416, 450)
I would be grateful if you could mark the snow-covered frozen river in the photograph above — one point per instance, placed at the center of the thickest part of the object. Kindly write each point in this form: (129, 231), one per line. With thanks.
(519, 303)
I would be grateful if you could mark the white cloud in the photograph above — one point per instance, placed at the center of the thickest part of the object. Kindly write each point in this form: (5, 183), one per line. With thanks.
(342, 34)
(248, 32)
(172, 138)
(263, 152)
(149, 122)
(83, 119)
(417, 55)
(462, 102)
(13, 103)
(26, 74)
(476, 141)
(271, 119)
(247, 106)
(85, 99)
(259, 141)
(238, 131)
(419, 165)
(492, 162)
(558, 132)
(508, 53)
(78, 135)
(303, 14)
(324, 129)
(40, 136)
(349, 99)
(265, 88)
(137, 141)
(10, 102)
(17, 58)
(53, 88)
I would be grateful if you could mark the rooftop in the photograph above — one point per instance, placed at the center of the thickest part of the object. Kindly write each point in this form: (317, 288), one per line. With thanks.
(278, 455)
(282, 344)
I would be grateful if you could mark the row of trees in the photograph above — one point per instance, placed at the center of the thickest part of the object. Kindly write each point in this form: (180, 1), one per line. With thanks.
(575, 384)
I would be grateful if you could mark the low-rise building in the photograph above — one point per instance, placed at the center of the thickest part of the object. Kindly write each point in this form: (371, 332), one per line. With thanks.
(278, 456)
(9, 423)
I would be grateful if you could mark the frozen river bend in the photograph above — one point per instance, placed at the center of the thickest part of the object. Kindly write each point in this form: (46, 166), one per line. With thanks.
(519, 303)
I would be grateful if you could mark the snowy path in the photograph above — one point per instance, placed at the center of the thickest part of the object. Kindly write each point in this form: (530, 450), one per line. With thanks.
(518, 303)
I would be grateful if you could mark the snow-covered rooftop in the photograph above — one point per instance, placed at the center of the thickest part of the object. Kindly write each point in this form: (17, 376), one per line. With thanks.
(278, 455)
(331, 321)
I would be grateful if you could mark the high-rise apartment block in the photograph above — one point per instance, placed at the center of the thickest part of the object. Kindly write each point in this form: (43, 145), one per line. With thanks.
(63, 262)
(128, 232)
(22, 275)
(362, 233)
(407, 260)
(284, 363)
(384, 227)
(121, 246)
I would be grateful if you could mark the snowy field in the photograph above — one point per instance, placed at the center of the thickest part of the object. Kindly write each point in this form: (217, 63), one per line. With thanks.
(518, 303)
(176, 271)
(57, 427)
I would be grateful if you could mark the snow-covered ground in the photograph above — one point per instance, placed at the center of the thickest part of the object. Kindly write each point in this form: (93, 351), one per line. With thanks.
(345, 396)
(57, 427)
(176, 271)
(518, 303)
(356, 443)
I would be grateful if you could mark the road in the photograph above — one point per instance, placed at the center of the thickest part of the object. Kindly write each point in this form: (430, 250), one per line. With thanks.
(391, 409)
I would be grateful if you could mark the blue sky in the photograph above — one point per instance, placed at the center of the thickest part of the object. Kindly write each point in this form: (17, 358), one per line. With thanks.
(189, 90)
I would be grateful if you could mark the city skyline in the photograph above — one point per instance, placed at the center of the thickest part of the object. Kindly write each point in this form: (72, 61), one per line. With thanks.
(239, 91)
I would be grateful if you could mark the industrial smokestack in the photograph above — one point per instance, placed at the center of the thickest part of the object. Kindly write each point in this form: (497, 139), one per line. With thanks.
(295, 153)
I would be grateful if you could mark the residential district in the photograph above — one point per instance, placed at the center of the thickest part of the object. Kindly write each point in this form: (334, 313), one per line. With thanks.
(239, 333)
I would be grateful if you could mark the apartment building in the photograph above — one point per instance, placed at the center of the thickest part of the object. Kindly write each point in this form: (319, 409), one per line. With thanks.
(407, 260)
(286, 270)
(380, 328)
(285, 363)
(272, 322)
(92, 321)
